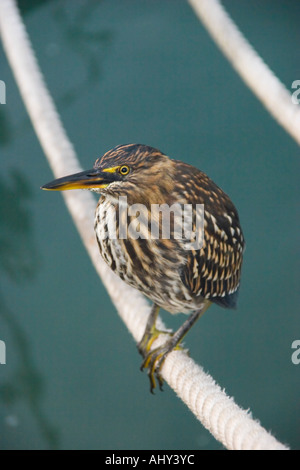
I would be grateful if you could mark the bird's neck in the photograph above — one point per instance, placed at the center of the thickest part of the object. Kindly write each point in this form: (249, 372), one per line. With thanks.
(139, 194)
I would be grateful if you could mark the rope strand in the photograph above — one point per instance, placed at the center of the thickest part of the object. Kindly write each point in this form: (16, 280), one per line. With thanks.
(249, 65)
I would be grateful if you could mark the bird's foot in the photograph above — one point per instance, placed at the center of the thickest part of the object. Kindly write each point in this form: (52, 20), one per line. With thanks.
(153, 361)
(148, 339)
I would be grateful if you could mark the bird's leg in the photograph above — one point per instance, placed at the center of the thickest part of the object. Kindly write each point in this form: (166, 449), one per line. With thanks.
(151, 332)
(155, 359)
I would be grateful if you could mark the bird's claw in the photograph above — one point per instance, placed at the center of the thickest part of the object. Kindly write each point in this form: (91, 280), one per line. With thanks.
(153, 361)
(147, 340)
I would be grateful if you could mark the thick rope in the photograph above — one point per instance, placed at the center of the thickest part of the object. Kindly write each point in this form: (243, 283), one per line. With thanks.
(249, 65)
(229, 424)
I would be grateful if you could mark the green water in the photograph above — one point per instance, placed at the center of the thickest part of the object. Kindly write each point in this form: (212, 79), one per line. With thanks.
(145, 71)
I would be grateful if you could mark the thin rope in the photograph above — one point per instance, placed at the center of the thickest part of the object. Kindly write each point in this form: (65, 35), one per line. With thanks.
(229, 424)
(249, 65)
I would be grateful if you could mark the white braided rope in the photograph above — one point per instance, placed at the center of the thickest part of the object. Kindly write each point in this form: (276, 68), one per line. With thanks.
(218, 413)
(249, 65)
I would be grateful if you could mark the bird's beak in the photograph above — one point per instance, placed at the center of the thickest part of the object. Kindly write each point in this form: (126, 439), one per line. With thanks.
(90, 179)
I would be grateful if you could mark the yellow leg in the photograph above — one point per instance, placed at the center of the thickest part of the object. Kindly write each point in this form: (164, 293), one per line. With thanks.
(151, 332)
(153, 360)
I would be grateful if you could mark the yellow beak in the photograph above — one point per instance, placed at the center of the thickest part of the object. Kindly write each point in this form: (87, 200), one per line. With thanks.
(89, 179)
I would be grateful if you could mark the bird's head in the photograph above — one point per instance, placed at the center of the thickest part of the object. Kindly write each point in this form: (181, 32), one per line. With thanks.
(132, 169)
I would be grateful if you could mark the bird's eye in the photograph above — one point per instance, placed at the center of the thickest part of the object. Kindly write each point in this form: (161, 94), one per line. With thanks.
(124, 170)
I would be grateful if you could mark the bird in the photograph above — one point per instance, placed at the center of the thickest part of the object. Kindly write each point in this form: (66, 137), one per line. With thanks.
(173, 272)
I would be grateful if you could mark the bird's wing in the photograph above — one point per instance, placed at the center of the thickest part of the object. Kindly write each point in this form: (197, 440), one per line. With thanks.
(214, 270)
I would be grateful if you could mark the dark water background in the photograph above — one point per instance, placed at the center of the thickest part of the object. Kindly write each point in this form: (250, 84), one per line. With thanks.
(145, 71)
